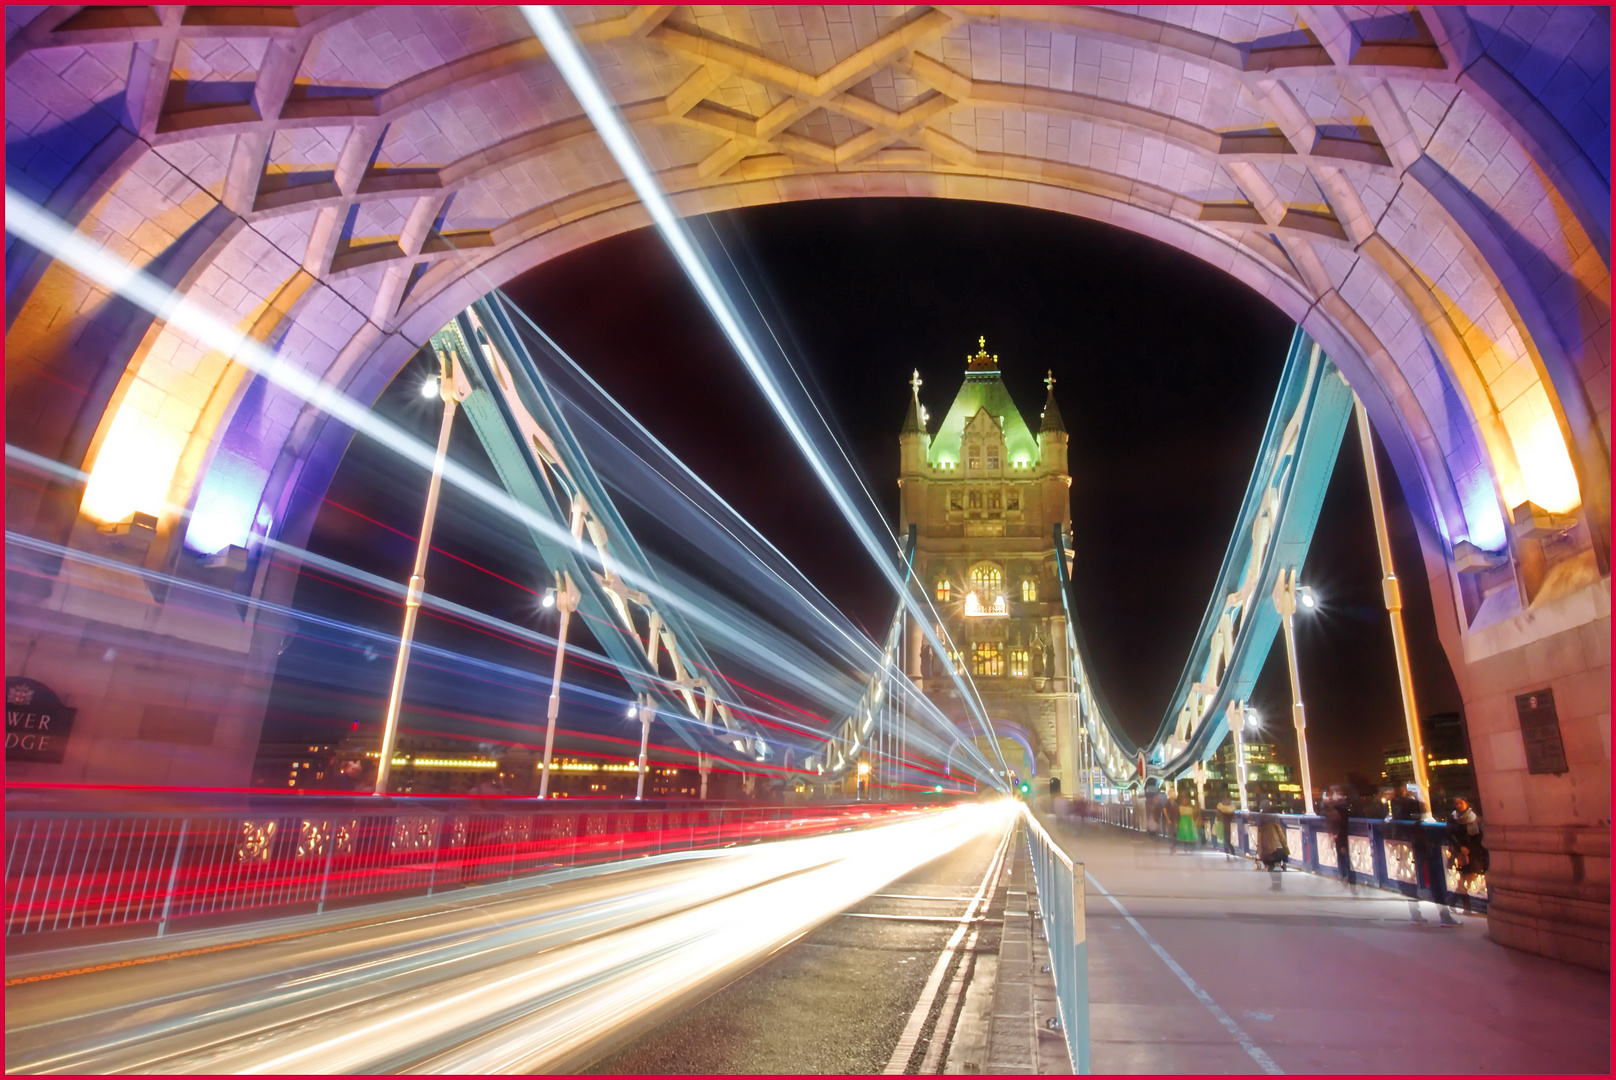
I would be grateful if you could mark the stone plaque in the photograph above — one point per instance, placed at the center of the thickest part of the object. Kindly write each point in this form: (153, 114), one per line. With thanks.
(1540, 731)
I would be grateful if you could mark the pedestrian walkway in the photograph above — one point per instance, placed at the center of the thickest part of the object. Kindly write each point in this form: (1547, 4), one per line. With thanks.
(1197, 964)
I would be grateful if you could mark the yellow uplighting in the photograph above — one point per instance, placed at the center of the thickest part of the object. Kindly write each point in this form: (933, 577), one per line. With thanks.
(1546, 467)
(136, 462)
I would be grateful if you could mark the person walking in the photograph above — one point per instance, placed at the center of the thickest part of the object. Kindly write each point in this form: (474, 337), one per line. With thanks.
(1338, 824)
(1226, 823)
(1467, 854)
(1169, 821)
(1272, 848)
(1189, 828)
(1408, 811)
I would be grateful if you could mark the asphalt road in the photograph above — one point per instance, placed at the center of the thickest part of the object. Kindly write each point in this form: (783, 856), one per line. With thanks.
(531, 978)
(839, 999)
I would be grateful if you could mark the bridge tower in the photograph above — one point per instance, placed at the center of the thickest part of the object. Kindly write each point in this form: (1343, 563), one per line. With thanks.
(985, 494)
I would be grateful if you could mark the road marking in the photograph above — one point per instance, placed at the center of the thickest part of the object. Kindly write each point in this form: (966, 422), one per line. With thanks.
(1265, 1062)
(917, 918)
(928, 993)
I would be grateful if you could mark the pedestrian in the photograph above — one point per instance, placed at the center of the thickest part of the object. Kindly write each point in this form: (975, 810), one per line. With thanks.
(1226, 823)
(1408, 814)
(1169, 821)
(1338, 824)
(1272, 847)
(1189, 828)
(1467, 854)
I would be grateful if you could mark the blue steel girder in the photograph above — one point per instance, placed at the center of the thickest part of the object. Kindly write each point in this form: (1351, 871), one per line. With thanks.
(539, 461)
(1272, 535)
(850, 737)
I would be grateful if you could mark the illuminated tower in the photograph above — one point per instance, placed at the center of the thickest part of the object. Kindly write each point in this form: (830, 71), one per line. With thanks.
(985, 495)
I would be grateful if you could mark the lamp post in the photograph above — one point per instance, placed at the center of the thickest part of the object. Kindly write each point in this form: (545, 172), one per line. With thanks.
(1286, 597)
(1236, 714)
(1394, 609)
(565, 597)
(647, 712)
(451, 386)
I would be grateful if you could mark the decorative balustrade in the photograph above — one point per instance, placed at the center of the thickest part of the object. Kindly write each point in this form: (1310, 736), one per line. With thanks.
(275, 855)
(1379, 850)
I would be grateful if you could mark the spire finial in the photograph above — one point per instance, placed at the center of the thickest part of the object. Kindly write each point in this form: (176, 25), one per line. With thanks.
(982, 342)
(914, 383)
(1049, 379)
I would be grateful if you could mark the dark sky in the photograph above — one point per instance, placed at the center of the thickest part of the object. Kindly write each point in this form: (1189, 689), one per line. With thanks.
(1166, 372)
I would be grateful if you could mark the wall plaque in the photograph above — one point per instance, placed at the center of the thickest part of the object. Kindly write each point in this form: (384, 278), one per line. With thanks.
(37, 723)
(1540, 731)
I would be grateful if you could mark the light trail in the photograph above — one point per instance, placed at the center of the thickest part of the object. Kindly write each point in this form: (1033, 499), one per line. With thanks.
(506, 980)
(48, 234)
(568, 56)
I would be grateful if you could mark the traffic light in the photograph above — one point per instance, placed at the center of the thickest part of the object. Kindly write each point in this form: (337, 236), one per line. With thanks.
(1026, 788)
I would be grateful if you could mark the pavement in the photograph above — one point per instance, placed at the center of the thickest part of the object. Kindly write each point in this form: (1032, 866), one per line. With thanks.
(1198, 964)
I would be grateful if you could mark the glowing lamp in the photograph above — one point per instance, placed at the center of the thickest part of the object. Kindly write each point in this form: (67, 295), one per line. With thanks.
(549, 599)
(864, 768)
(1305, 595)
(429, 389)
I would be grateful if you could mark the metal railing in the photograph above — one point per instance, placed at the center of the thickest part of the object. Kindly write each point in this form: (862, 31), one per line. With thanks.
(1062, 911)
(78, 870)
(1381, 853)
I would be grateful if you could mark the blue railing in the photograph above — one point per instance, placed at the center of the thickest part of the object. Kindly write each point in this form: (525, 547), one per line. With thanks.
(1062, 911)
(1380, 851)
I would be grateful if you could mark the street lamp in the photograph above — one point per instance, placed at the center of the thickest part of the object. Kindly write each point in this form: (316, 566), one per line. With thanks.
(1286, 598)
(451, 386)
(564, 595)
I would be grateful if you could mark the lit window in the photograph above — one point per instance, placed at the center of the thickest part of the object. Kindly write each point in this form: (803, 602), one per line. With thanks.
(986, 578)
(986, 658)
(956, 500)
(974, 500)
(1012, 501)
(993, 500)
(944, 590)
(1019, 663)
(993, 459)
(974, 462)
(1029, 590)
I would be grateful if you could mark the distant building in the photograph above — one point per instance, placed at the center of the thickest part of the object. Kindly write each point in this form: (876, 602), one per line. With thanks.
(299, 766)
(1448, 762)
(1267, 778)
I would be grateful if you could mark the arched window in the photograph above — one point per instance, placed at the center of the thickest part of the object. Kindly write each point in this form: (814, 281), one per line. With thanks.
(987, 580)
(1029, 590)
(986, 658)
(944, 589)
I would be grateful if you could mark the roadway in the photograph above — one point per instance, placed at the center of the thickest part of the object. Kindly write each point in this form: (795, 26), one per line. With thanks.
(1198, 965)
(880, 986)
(539, 977)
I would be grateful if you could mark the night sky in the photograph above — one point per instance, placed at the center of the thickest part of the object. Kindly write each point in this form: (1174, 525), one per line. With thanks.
(1166, 370)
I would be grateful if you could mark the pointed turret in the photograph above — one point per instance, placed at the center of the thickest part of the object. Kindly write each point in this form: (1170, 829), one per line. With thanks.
(914, 423)
(1051, 417)
(1052, 437)
(913, 441)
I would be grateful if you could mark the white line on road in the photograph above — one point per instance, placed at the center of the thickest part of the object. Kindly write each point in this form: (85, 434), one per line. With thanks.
(1262, 1059)
(928, 994)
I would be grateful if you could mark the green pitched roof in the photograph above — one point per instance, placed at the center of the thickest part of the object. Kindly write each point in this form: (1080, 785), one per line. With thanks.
(983, 389)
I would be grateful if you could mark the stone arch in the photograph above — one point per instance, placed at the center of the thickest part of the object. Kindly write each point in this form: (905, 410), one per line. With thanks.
(1418, 188)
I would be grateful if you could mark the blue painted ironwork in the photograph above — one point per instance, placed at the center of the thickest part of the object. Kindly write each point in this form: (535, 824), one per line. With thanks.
(1062, 910)
(1272, 534)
